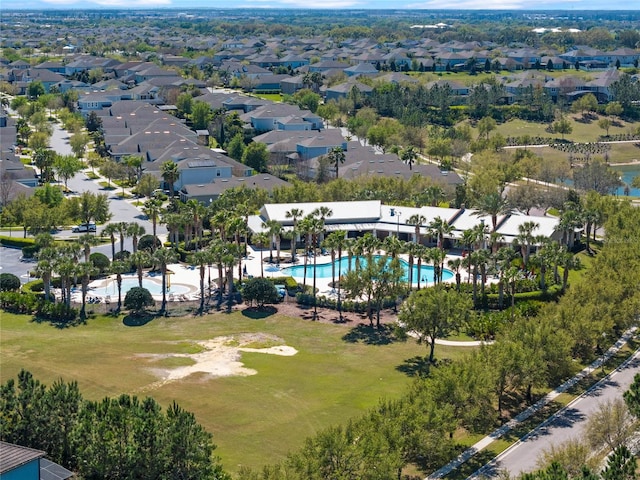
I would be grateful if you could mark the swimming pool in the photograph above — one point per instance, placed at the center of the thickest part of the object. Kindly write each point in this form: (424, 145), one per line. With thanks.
(342, 267)
(128, 282)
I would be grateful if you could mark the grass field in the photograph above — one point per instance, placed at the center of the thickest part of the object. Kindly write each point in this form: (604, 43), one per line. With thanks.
(255, 419)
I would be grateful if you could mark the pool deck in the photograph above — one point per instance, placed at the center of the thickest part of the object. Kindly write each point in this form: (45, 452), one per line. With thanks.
(189, 276)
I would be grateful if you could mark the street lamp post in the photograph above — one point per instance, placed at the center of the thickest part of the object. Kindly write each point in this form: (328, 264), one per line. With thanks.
(398, 214)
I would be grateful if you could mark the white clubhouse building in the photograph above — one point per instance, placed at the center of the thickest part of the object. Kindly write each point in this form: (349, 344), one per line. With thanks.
(358, 217)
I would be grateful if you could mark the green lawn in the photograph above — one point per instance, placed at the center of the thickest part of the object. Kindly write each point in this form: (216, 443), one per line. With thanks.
(582, 132)
(256, 419)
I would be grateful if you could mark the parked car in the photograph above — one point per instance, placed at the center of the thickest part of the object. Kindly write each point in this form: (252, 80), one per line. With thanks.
(84, 227)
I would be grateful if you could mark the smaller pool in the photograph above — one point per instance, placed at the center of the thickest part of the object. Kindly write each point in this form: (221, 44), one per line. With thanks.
(128, 282)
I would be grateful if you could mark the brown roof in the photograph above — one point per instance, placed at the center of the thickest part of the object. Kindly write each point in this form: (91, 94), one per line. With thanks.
(14, 456)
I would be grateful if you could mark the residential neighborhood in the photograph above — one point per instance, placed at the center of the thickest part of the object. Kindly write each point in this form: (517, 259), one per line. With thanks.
(325, 243)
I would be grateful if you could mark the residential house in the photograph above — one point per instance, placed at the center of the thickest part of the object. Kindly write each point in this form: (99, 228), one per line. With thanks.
(343, 90)
(22, 463)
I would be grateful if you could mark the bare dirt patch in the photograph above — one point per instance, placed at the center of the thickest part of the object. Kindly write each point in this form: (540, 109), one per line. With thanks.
(219, 357)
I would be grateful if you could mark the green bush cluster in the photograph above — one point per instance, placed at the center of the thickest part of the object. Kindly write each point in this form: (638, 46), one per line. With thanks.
(9, 282)
(307, 299)
(290, 284)
(14, 242)
(29, 303)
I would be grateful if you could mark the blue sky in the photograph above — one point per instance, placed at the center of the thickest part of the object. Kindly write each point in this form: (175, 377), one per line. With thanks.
(330, 4)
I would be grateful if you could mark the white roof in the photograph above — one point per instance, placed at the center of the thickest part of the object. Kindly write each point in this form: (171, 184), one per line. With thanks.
(343, 212)
(468, 219)
(548, 225)
(369, 215)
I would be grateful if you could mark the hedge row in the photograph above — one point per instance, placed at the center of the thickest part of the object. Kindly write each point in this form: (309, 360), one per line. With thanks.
(16, 242)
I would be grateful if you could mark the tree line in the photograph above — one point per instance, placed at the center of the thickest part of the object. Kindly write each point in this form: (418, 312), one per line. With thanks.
(119, 438)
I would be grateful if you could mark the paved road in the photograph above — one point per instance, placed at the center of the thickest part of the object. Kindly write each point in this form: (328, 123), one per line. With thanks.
(122, 210)
(569, 423)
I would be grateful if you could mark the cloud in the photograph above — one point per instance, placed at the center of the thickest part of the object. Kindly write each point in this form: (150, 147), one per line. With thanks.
(303, 4)
(111, 3)
(469, 4)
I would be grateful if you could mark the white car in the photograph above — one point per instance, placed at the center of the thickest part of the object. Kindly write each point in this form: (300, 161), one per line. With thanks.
(84, 227)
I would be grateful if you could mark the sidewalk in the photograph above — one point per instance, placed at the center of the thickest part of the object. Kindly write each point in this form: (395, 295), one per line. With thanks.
(496, 434)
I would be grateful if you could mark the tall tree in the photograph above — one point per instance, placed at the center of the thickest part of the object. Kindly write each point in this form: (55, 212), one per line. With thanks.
(434, 313)
(170, 174)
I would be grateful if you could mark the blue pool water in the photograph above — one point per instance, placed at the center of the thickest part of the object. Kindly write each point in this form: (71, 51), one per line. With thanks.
(342, 267)
(128, 282)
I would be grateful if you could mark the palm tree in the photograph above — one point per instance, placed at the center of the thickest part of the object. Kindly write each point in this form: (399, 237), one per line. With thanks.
(152, 209)
(195, 212)
(493, 205)
(433, 195)
(542, 259)
(85, 270)
(261, 239)
(139, 259)
(417, 221)
(295, 214)
(274, 229)
(44, 269)
(525, 239)
(456, 264)
(201, 259)
(568, 262)
(162, 257)
(413, 250)
(135, 230)
(511, 277)
(409, 156)
(422, 253)
(439, 227)
(66, 268)
(170, 174)
(244, 210)
(174, 224)
(111, 229)
(119, 267)
(218, 249)
(322, 213)
(482, 261)
(316, 228)
(87, 241)
(475, 258)
(336, 157)
(123, 230)
(393, 246)
(438, 257)
(569, 221)
(306, 226)
(229, 260)
(338, 242)
(502, 261)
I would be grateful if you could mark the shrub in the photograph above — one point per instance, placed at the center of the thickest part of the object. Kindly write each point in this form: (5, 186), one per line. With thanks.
(56, 312)
(30, 251)
(288, 282)
(137, 298)
(19, 302)
(123, 255)
(34, 286)
(9, 282)
(260, 290)
(14, 242)
(100, 261)
(146, 242)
